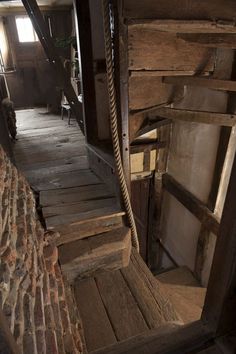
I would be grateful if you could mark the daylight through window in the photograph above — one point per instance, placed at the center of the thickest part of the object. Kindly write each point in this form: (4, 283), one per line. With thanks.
(26, 32)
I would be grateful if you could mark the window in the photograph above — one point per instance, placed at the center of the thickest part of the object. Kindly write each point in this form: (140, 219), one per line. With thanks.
(26, 32)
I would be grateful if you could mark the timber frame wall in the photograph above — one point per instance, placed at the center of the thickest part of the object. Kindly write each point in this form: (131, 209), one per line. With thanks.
(219, 313)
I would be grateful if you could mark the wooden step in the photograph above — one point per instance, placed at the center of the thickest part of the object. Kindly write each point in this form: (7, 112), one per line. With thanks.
(119, 305)
(185, 293)
(87, 257)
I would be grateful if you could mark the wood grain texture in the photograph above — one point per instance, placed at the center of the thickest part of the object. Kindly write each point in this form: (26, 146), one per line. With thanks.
(106, 252)
(184, 292)
(183, 26)
(75, 202)
(152, 50)
(125, 316)
(180, 9)
(96, 325)
(211, 40)
(197, 116)
(195, 206)
(150, 299)
(140, 88)
(224, 85)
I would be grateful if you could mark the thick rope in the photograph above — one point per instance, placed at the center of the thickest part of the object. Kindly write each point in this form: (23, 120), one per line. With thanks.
(114, 125)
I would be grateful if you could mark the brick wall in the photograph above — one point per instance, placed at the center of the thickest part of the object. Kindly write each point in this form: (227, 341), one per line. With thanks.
(33, 295)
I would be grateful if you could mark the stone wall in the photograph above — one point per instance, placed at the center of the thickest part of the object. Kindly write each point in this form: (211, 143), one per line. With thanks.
(33, 295)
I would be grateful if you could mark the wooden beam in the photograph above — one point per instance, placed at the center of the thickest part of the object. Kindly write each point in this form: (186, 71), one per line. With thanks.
(158, 73)
(135, 149)
(165, 340)
(122, 83)
(151, 125)
(197, 116)
(211, 40)
(60, 73)
(184, 26)
(224, 85)
(219, 310)
(193, 204)
(86, 64)
(85, 258)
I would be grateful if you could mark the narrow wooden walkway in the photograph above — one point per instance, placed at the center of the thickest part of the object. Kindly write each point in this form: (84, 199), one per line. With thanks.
(53, 157)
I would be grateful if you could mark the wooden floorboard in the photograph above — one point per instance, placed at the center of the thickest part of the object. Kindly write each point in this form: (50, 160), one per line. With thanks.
(133, 303)
(74, 194)
(97, 327)
(125, 316)
(53, 157)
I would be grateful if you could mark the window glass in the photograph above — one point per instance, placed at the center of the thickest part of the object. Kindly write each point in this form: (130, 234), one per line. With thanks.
(25, 30)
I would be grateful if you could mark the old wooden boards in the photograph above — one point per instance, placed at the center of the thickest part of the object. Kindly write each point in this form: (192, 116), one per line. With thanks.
(156, 50)
(185, 293)
(205, 117)
(86, 258)
(127, 302)
(53, 157)
(210, 83)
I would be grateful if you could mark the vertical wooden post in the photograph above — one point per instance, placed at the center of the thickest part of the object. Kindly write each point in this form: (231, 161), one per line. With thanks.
(84, 44)
(122, 75)
(61, 75)
(155, 232)
(219, 309)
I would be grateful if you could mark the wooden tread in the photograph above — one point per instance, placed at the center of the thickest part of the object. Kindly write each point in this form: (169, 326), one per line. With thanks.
(53, 156)
(87, 257)
(119, 305)
(185, 293)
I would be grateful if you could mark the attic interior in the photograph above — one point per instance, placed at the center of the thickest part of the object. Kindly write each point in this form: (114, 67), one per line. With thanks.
(118, 176)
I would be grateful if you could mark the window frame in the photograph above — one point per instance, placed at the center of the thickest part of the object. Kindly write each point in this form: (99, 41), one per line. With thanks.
(36, 39)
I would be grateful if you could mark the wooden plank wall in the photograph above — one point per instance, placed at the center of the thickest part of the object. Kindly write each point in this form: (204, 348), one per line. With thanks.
(152, 55)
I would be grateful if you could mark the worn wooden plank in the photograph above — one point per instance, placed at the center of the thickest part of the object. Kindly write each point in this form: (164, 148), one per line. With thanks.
(180, 9)
(197, 116)
(151, 50)
(161, 73)
(43, 154)
(97, 328)
(44, 173)
(151, 300)
(183, 26)
(106, 252)
(77, 207)
(184, 292)
(210, 40)
(63, 129)
(140, 88)
(219, 309)
(170, 339)
(89, 228)
(75, 194)
(67, 180)
(210, 83)
(56, 165)
(71, 222)
(149, 125)
(193, 204)
(125, 316)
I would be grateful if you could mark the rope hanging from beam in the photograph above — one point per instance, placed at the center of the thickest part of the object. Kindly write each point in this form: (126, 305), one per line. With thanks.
(114, 124)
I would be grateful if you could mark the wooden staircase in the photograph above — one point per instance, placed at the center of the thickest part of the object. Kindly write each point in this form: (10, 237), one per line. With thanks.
(120, 305)
(184, 292)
